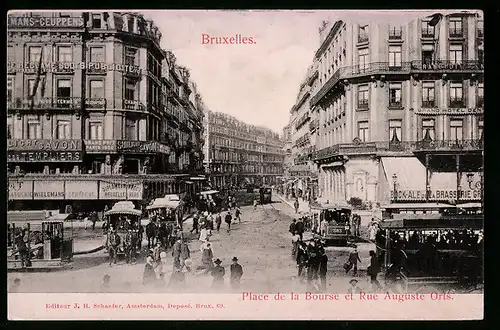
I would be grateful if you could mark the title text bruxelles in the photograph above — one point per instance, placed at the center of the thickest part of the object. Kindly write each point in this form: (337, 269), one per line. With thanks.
(235, 40)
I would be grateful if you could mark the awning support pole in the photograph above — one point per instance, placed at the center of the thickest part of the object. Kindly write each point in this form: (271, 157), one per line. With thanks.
(457, 159)
(387, 259)
(427, 179)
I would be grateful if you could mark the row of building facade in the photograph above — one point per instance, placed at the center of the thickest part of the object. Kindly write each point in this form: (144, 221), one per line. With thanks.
(238, 154)
(383, 103)
(97, 111)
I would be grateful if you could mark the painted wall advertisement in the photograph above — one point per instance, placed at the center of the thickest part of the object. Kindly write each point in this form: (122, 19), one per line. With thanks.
(48, 190)
(81, 190)
(120, 190)
(19, 190)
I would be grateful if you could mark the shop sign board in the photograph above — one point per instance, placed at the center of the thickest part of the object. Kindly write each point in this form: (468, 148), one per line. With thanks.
(20, 190)
(81, 190)
(48, 190)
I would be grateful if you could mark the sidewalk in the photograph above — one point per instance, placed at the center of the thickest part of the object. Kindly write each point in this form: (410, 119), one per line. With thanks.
(303, 206)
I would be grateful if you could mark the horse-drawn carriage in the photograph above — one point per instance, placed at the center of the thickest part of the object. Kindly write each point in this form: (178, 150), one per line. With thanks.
(165, 220)
(122, 218)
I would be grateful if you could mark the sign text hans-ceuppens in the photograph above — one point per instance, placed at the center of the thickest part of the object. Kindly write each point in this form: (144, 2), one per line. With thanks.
(44, 22)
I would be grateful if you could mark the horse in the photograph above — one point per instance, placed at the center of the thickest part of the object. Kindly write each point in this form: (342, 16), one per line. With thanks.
(151, 232)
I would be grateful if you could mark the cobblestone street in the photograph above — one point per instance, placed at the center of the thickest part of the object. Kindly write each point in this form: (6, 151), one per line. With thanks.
(261, 242)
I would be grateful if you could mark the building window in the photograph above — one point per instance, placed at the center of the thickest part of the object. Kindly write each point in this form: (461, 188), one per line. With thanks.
(34, 129)
(480, 29)
(63, 130)
(480, 95)
(96, 89)
(9, 131)
(11, 55)
(428, 129)
(363, 97)
(395, 130)
(95, 130)
(363, 34)
(64, 54)
(427, 30)
(395, 32)
(97, 55)
(456, 95)
(34, 53)
(427, 56)
(363, 59)
(31, 92)
(480, 128)
(131, 129)
(10, 89)
(456, 53)
(395, 95)
(456, 129)
(130, 56)
(428, 90)
(455, 27)
(364, 131)
(130, 89)
(96, 21)
(63, 88)
(395, 56)
(480, 56)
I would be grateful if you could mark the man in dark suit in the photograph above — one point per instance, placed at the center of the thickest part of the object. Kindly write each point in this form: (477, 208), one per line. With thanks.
(236, 273)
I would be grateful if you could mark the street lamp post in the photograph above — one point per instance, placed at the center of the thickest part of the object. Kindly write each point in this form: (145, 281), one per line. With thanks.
(394, 182)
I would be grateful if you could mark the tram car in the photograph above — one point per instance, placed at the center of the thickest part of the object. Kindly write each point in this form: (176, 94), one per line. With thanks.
(336, 230)
(265, 195)
(123, 217)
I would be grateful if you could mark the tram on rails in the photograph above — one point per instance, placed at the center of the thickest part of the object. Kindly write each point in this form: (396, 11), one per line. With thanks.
(123, 217)
(265, 194)
(331, 223)
(435, 246)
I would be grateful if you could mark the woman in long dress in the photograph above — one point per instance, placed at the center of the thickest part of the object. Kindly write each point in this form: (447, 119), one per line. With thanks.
(203, 233)
(149, 276)
(207, 255)
(373, 231)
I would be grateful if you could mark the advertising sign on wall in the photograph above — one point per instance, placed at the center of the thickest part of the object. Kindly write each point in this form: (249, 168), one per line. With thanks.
(81, 190)
(44, 145)
(120, 190)
(19, 190)
(44, 156)
(99, 146)
(48, 190)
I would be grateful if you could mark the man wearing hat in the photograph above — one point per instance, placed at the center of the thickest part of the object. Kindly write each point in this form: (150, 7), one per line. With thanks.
(218, 273)
(354, 286)
(236, 273)
(129, 246)
(228, 219)
(113, 243)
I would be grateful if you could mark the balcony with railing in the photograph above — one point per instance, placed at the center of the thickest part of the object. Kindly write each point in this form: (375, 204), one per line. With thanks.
(428, 104)
(447, 65)
(428, 33)
(363, 104)
(93, 103)
(456, 33)
(134, 105)
(457, 102)
(363, 38)
(314, 124)
(480, 101)
(406, 148)
(46, 103)
(386, 68)
(395, 33)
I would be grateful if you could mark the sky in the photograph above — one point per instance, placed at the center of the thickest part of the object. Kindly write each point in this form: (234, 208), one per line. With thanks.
(256, 83)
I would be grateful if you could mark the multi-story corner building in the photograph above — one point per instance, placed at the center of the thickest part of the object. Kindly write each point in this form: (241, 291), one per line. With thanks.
(303, 124)
(238, 154)
(87, 111)
(388, 93)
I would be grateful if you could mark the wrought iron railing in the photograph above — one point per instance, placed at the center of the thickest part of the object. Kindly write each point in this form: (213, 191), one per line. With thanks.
(455, 33)
(398, 146)
(428, 33)
(363, 38)
(403, 68)
(95, 103)
(457, 103)
(46, 103)
(133, 105)
(428, 104)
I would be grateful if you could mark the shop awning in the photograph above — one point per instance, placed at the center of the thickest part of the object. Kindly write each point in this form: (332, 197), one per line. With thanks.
(409, 174)
(417, 206)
